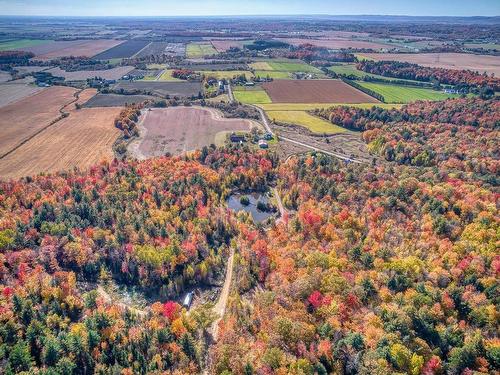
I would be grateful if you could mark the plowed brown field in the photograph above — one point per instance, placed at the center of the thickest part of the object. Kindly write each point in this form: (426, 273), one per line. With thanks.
(315, 91)
(80, 140)
(24, 118)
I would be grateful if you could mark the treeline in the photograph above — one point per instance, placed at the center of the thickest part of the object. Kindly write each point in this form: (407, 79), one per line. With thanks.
(403, 70)
(356, 85)
(15, 57)
(127, 120)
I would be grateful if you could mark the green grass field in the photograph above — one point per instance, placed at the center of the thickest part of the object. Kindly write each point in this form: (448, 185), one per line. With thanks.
(272, 74)
(405, 94)
(252, 97)
(167, 76)
(197, 50)
(311, 106)
(302, 118)
(226, 74)
(350, 69)
(21, 43)
(281, 66)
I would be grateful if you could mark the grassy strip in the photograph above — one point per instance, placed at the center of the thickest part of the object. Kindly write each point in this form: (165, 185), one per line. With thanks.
(364, 89)
(302, 118)
(21, 43)
(311, 106)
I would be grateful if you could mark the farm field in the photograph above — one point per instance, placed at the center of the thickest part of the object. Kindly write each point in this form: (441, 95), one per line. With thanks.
(214, 66)
(22, 119)
(183, 89)
(198, 50)
(123, 50)
(21, 43)
(80, 140)
(311, 106)
(337, 43)
(82, 75)
(159, 48)
(314, 91)
(258, 96)
(291, 67)
(226, 74)
(350, 69)
(405, 94)
(272, 74)
(224, 45)
(480, 63)
(302, 118)
(4, 77)
(180, 129)
(13, 91)
(115, 100)
(167, 76)
(87, 48)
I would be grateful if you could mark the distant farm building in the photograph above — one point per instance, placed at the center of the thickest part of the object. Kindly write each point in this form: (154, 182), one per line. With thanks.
(237, 137)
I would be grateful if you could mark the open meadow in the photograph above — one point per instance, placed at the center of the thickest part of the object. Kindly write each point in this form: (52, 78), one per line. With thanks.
(405, 94)
(302, 118)
(180, 129)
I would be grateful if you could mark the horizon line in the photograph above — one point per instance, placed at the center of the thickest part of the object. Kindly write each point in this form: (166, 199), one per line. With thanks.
(249, 15)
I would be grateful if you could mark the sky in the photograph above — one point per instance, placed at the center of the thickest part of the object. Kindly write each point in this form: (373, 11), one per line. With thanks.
(249, 7)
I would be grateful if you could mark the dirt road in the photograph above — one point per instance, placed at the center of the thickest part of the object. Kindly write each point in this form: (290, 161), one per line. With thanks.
(220, 307)
(280, 204)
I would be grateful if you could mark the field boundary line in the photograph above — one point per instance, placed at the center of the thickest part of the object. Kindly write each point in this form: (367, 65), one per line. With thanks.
(142, 49)
(53, 122)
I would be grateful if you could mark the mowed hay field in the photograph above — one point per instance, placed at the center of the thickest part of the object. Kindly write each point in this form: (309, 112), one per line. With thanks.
(302, 118)
(315, 91)
(22, 119)
(80, 140)
(290, 67)
(481, 63)
(405, 94)
(179, 129)
(226, 74)
(250, 95)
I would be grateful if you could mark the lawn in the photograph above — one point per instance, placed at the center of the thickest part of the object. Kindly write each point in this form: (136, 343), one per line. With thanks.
(21, 43)
(405, 94)
(252, 97)
(226, 74)
(302, 118)
(311, 106)
(272, 74)
(196, 50)
(166, 75)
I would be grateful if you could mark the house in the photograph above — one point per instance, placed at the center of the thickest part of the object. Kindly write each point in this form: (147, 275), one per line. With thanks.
(263, 144)
(249, 83)
(451, 91)
(188, 299)
(268, 137)
(221, 86)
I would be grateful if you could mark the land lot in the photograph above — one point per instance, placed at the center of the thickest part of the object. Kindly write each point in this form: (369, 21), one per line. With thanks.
(58, 49)
(315, 91)
(251, 95)
(124, 50)
(182, 89)
(115, 100)
(82, 75)
(160, 48)
(80, 140)
(480, 63)
(405, 94)
(224, 45)
(21, 43)
(198, 50)
(226, 74)
(21, 120)
(302, 118)
(337, 43)
(179, 129)
(166, 75)
(13, 91)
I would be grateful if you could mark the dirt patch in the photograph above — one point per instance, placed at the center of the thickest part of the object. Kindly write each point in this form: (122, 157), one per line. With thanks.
(315, 91)
(22, 119)
(80, 140)
(180, 129)
(457, 61)
(116, 100)
(224, 45)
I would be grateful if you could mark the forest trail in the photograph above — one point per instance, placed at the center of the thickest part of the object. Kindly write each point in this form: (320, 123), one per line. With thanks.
(280, 204)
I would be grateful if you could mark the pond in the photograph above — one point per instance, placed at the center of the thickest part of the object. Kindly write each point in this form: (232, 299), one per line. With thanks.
(236, 203)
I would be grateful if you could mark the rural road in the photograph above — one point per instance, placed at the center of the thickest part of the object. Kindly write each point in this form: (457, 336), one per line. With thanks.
(334, 154)
(220, 307)
(280, 204)
(230, 93)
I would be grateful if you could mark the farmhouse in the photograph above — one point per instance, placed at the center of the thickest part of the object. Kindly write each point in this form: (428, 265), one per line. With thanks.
(237, 137)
